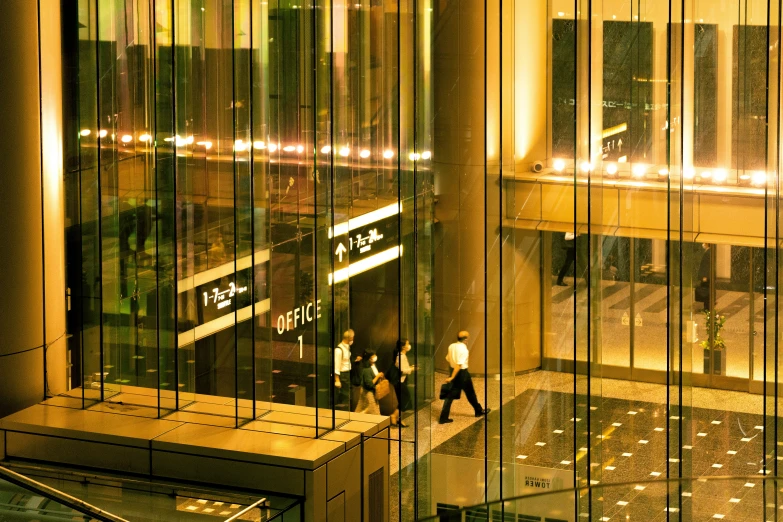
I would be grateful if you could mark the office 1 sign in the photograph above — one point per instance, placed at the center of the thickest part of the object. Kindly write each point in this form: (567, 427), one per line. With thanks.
(298, 317)
(365, 242)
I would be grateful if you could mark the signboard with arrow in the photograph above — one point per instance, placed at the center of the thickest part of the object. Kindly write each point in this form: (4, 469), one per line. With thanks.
(365, 242)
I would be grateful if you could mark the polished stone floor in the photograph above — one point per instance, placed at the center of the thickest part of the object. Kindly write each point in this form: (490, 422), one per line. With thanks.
(633, 439)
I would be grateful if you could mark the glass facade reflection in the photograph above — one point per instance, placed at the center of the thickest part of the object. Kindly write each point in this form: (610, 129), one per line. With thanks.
(590, 188)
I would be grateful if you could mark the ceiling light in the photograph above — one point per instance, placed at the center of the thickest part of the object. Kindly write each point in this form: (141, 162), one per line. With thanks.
(388, 154)
(364, 154)
(759, 177)
(326, 149)
(611, 169)
(639, 170)
(127, 138)
(559, 165)
(345, 152)
(85, 132)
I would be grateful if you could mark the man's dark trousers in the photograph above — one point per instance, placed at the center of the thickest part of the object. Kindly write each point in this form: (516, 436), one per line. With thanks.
(462, 382)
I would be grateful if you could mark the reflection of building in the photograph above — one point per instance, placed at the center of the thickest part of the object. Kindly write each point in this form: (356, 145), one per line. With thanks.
(221, 188)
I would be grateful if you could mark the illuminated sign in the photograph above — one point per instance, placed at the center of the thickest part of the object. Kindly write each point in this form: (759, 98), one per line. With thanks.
(299, 316)
(223, 296)
(365, 242)
(220, 297)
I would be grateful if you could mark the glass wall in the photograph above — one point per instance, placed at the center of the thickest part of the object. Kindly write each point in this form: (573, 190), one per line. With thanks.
(590, 189)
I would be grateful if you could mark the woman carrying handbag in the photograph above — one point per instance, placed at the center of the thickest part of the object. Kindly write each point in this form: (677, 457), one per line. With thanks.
(377, 395)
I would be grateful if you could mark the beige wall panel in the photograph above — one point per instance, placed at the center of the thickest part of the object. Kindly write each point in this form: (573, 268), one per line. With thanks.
(335, 509)
(376, 456)
(643, 209)
(731, 215)
(524, 200)
(344, 474)
(228, 472)
(315, 493)
(527, 305)
(77, 452)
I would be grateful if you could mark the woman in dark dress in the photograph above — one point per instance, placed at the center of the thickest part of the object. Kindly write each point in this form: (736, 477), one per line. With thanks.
(398, 374)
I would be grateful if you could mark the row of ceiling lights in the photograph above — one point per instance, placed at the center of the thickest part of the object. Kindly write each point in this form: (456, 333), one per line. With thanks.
(640, 170)
(241, 146)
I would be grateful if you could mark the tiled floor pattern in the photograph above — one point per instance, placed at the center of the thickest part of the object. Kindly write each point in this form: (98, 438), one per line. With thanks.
(629, 443)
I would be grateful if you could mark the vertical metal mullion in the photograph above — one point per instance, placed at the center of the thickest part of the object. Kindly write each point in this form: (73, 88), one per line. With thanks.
(154, 131)
(331, 214)
(576, 269)
(99, 194)
(314, 112)
(500, 250)
(486, 259)
(236, 189)
(400, 313)
(175, 337)
(251, 119)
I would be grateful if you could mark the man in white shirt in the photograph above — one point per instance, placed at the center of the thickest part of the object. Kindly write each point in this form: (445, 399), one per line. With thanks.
(570, 257)
(342, 367)
(460, 378)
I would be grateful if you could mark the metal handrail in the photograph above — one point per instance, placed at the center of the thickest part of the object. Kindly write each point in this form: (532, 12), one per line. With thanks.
(58, 496)
(247, 510)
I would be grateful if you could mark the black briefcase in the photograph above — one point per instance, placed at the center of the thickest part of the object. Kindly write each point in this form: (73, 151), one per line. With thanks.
(449, 390)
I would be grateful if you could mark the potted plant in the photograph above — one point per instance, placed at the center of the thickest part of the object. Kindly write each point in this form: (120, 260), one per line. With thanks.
(718, 343)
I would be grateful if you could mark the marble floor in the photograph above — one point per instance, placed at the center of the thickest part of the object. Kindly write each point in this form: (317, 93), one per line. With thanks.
(633, 439)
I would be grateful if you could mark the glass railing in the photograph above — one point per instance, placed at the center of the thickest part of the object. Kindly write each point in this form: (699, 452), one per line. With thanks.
(704, 498)
(22, 498)
(112, 498)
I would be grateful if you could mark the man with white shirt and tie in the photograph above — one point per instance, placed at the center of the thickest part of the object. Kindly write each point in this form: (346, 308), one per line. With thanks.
(460, 377)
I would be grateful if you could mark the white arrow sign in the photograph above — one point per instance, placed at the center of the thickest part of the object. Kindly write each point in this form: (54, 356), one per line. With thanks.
(340, 251)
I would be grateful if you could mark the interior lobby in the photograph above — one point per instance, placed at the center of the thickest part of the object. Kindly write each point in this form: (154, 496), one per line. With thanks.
(256, 245)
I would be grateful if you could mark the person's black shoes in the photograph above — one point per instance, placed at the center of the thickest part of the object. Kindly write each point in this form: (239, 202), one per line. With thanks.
(482, 413)
(445, 421)
(561, 283)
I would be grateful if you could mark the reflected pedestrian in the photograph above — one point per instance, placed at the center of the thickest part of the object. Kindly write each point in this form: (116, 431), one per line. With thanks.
(570, 257)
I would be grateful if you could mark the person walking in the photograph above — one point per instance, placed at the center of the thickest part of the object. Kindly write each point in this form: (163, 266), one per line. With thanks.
(370, 378)
(570, 257)
(397, 375)
(343, 398)
(460, 378)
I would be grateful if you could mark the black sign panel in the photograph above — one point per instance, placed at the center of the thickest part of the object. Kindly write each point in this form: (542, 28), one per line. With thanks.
(224, 295)
(367, 240)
